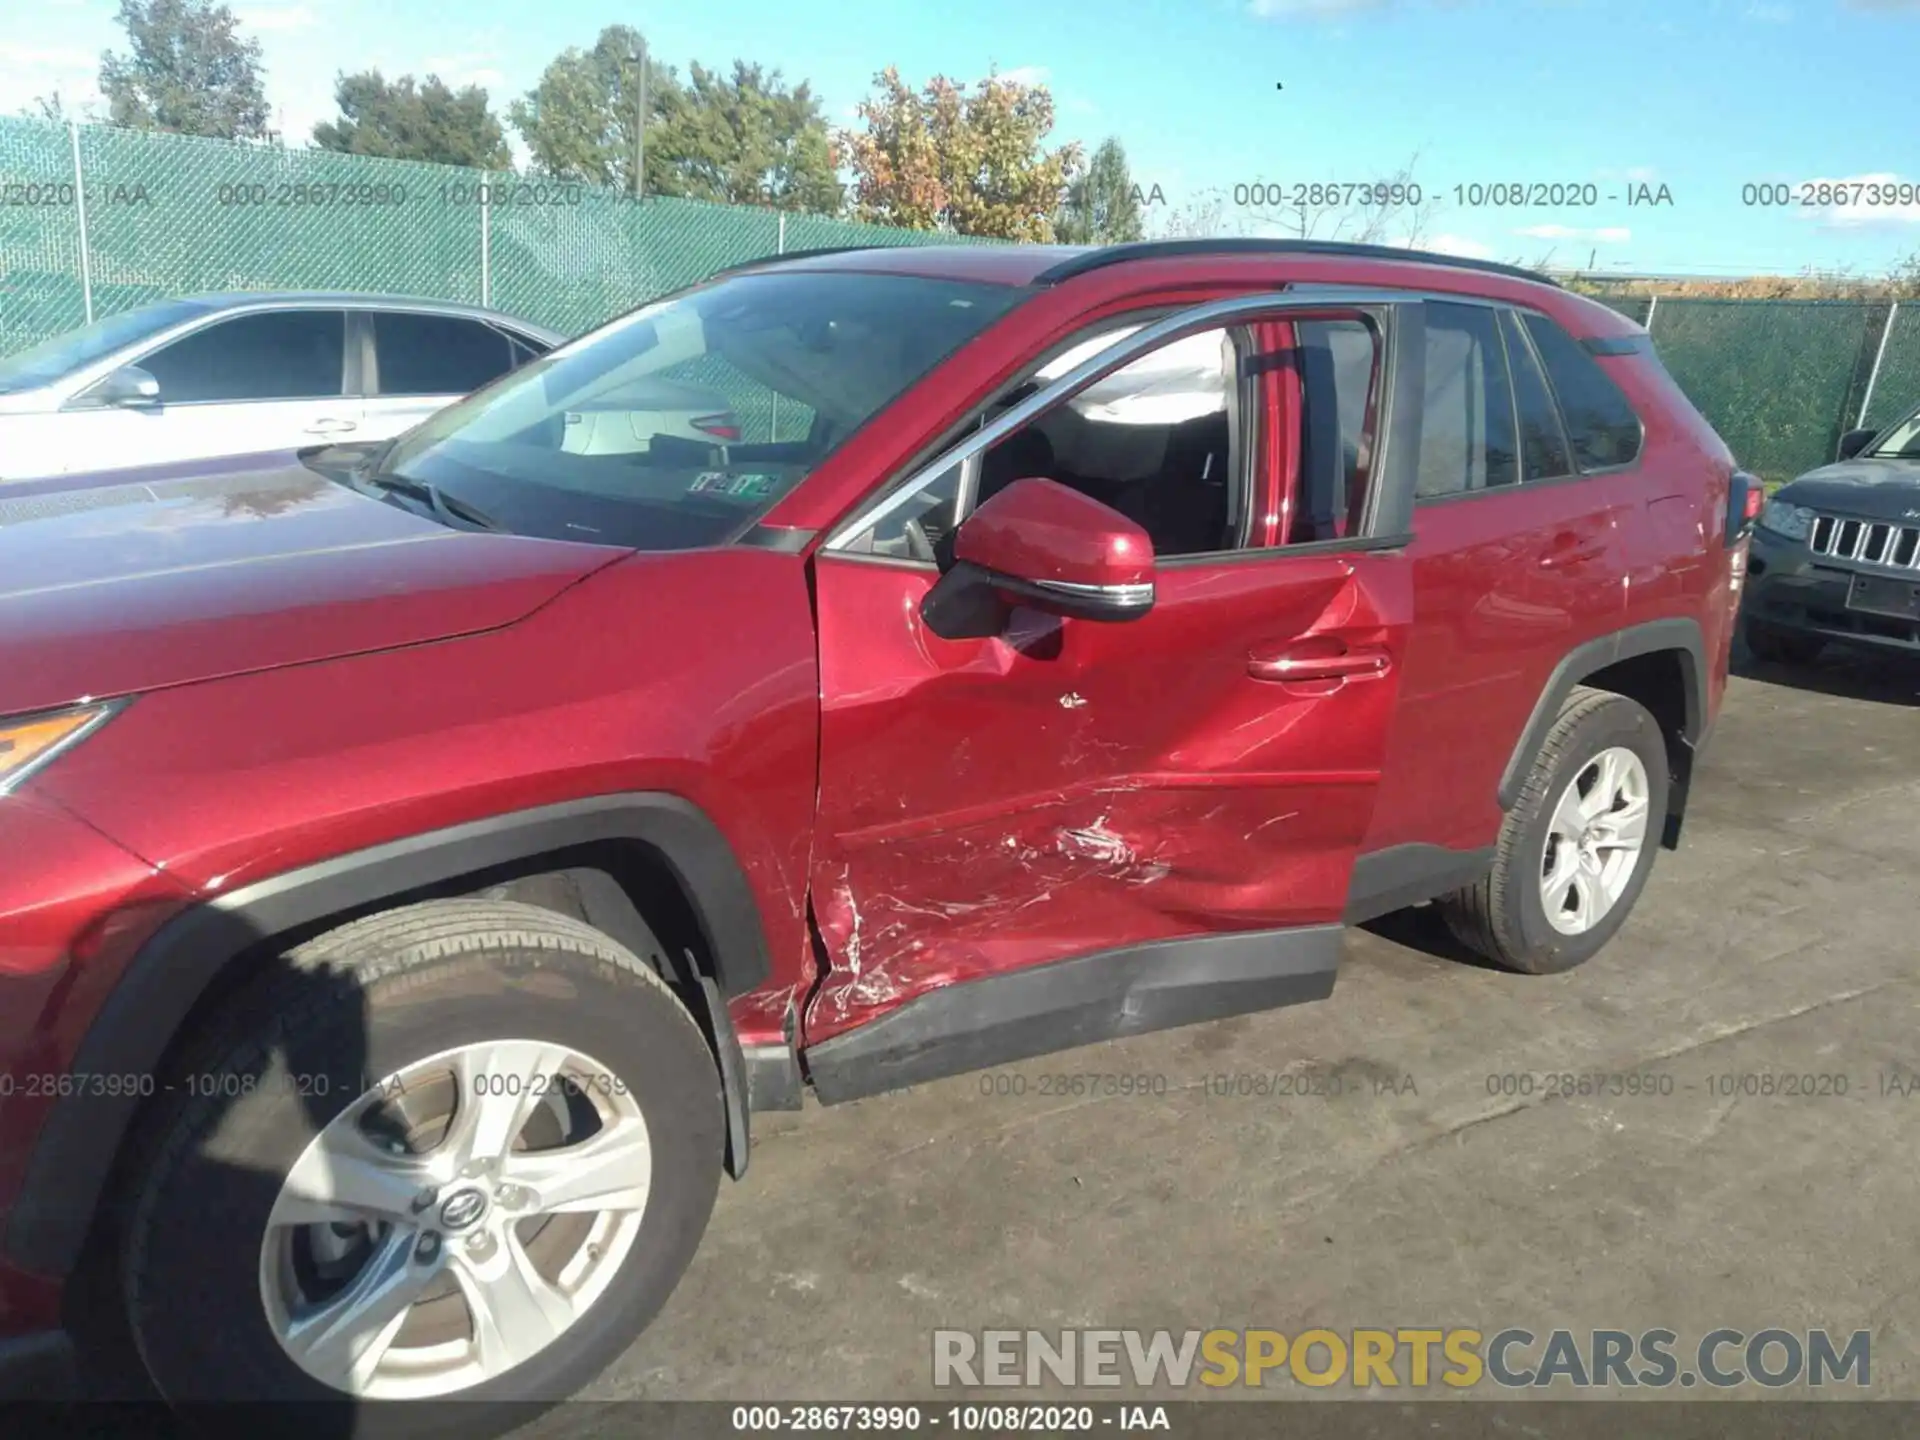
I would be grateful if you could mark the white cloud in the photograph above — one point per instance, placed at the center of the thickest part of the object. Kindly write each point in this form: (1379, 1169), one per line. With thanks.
(29, 72)
(1863, 209)
(273, 19)
(1459, 245)
(1026, 74)
(54, 57)
(474, 67)
(1602, 235)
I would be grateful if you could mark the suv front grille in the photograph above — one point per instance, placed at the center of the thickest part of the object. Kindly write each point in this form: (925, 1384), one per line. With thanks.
(1871, 542)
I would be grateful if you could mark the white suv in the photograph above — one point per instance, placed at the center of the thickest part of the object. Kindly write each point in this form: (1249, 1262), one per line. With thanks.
(220, 375)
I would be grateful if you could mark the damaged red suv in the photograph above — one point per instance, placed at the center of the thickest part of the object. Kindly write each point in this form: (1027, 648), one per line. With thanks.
(420, 860)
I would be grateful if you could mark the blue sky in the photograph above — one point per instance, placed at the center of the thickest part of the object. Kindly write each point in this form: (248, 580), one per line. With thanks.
(1701, 96)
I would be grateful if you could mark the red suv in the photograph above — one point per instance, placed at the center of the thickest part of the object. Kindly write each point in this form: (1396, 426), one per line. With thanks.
(421, 859)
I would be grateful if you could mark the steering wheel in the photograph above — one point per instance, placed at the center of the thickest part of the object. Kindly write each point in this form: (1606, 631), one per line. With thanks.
(918, 545)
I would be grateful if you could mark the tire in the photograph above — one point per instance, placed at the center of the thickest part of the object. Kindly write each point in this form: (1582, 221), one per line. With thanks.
(291, 1055)
(1505, 916)
(1772, 645)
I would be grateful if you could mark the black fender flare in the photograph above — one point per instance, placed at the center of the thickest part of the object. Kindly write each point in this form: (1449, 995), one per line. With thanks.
(1678, 634)
(73, 1157)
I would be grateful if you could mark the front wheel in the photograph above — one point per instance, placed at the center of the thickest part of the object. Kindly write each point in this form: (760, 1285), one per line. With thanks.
(461, 1150)
(1575, 851)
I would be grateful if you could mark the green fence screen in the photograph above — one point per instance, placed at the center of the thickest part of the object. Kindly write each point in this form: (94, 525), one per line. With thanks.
(95, 220)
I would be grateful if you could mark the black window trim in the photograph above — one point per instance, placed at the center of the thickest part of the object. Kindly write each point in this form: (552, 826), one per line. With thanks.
(1519, 327)
(1625, 467)
(1371, 304)
(84, 401)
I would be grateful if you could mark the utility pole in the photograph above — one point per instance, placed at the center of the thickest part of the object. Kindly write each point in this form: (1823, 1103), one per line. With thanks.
(640, 122)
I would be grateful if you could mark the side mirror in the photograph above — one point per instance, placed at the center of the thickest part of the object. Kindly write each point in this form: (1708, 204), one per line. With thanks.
(128, 388)
(1039, 544)
(1854, 441)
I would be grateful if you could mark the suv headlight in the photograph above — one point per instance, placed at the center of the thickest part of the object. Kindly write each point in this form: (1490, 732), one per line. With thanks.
(1793, 521)
(30, 742)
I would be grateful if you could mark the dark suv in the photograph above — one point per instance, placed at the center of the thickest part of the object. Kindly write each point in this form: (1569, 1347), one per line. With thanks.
(1836, 556)
(421, 859)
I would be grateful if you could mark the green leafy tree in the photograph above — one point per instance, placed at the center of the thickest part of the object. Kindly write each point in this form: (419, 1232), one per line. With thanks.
(747, 139)
(186, 70)
(404, 120)
(579, 121)
(1103, 206)
(743, 136)
(940, 158)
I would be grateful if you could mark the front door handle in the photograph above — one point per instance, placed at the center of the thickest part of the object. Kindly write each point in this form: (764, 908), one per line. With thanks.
(331, 427)
(1302, 661)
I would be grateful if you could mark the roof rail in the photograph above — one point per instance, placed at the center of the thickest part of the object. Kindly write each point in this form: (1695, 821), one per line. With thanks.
(1246, 245)
(780, 255)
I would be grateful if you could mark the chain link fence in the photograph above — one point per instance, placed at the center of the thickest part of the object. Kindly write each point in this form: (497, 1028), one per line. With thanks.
(1783, 380)
(95, 220)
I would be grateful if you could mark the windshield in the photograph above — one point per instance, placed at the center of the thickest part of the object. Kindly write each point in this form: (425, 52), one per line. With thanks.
(1902, 442)
(59, 357)
(678, 425)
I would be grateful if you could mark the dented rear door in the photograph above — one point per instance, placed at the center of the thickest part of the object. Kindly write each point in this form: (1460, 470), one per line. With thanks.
(1070, 787)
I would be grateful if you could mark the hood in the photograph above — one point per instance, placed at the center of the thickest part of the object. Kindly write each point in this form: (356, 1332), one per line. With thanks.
(1870, 489)
(131, 580)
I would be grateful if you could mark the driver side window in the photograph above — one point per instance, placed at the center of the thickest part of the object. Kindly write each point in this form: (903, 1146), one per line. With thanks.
(1160, 440)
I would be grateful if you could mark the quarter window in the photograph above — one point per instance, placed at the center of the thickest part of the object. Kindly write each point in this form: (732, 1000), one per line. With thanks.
(1601, 425)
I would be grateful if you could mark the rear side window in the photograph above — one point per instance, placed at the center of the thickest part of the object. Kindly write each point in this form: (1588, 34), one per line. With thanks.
(1466, 426)
(437, 354)
(1543, 445)
(1602, 427)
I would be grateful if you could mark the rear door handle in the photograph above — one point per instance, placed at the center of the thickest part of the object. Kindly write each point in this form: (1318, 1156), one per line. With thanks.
(1567, 549)
(331, 427)
(1296, 661)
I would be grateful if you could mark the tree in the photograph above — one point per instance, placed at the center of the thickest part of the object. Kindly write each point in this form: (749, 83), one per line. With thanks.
(579, 121)
(743, 137)
(747, 139)
(1202, 218)
(1394, 211)
(402, 120)
(1102, 207)
(1903, 282)
(187, 71)
(942, 159)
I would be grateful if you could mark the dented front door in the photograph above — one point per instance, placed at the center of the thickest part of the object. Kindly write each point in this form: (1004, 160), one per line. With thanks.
(1073, 786)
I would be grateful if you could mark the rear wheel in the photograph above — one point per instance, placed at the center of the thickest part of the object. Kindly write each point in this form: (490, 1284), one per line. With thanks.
(1774, 646)
(462, 1150)
(1575, 851)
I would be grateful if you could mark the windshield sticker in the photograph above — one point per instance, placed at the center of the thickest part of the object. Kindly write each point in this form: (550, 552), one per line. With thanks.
(750, 486)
